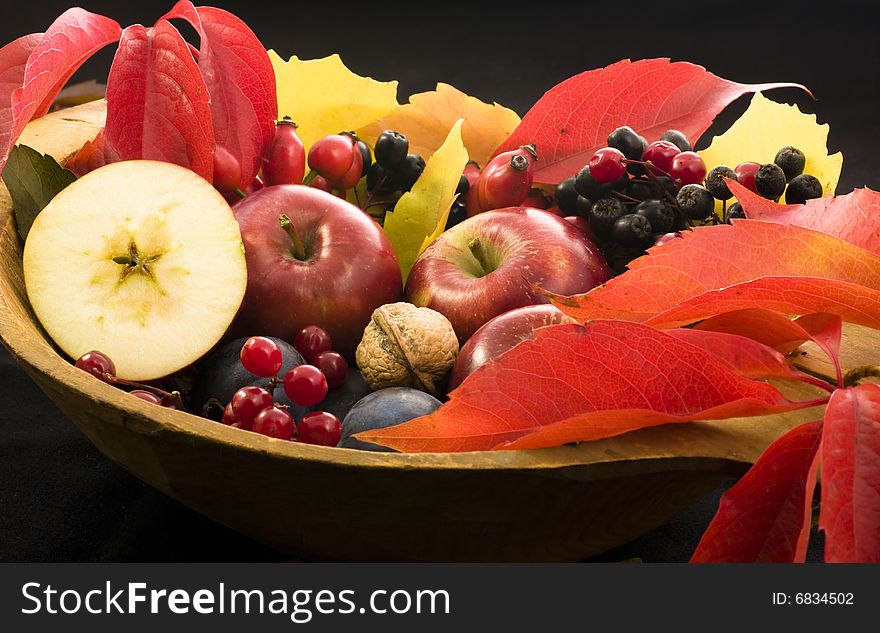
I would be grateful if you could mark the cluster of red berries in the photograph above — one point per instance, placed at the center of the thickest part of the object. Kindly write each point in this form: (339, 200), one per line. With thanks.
(253, 408)
(103, 368)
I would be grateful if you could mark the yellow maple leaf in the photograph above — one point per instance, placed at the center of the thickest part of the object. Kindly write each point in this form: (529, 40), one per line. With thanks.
(428, 117)
(765, 128)
(420, 215)
(324, 97)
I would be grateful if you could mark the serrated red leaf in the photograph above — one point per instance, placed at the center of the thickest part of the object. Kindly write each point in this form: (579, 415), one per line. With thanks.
(854, 217)
(158, 107)
(572, 383)
(93, 154)
(746, 356)
(573, 119)
(71, 39)
(240, 80)
(709, 267)
(13, 61)
(765, 517)
(850, 514)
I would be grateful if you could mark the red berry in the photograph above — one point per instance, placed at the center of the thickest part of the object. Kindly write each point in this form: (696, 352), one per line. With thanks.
(255, 186)
(311, 341)
(261, 356)
(689, 168)
(507, 179)
(286, 162)
(319, 182)
(334, 366)
(227, 170)
(661, 153)
(537, 199)
(336, 158)
(607, 164)
(275, 422)
(665, 238)
(98, 365)
(305, 385)
(146, 396)
(745, 174)
(229, 418)
(248, 401)
(320, 428)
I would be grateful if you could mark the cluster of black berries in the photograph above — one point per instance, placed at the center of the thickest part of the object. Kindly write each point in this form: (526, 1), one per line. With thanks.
(395, 169)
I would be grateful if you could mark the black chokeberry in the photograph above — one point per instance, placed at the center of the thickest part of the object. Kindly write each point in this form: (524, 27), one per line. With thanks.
(659, 213)
(715, 182)
(407, 173)
(791, 160)
(695, 202)
(604, 214)
(391, 149)
(366, 157)
(678, 139)
(770, 181)
(457, 213)
(640, 189)
(735, 212)
(463, 186)
(627, 142)
(666, 184)
(620, 184)
(378, 179)
(631, 230)
(566, 197)
(588, 186)
(637, 169)
(802, 188)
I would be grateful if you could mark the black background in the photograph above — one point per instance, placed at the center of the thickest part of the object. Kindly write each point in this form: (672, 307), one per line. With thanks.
(62, 500)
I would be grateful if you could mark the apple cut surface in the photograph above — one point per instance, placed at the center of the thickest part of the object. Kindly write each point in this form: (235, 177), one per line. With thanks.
(141, 260)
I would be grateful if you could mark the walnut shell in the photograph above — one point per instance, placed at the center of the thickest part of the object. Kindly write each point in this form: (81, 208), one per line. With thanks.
(407, 346)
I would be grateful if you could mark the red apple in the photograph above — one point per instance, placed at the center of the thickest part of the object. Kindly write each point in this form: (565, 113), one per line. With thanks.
(501, 334)
(501, 260)
(345, 268)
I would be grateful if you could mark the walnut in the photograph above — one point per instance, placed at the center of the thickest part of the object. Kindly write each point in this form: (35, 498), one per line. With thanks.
(406, 346)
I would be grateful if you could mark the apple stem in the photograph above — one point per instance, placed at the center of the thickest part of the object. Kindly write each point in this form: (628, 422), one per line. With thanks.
(298, 251)
(478, 250)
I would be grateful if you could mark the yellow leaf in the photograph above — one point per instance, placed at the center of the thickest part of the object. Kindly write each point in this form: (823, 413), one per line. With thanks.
(420, 215)
(765, 128)
(324, 97)
(428, 117)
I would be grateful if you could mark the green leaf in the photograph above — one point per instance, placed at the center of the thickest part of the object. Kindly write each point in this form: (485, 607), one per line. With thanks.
(33, 179)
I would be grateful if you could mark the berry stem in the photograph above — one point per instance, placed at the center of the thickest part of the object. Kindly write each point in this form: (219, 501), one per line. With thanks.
(309, 177)
(370, 194)
(298, 250)
(173, 396)
(241, 194)
(625, 197)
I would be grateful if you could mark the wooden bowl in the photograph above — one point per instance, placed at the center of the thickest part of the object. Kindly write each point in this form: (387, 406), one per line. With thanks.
(560, 504)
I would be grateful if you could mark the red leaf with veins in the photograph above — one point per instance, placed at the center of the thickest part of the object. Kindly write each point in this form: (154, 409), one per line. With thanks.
(765, 517)
(574, 118)
(827, 332)
(240, 80)
(13, 60)
(711, 258)
(854, 217)
(71, 39)
(157, 103)
(850, 514)
(748, 357)
(571, 383)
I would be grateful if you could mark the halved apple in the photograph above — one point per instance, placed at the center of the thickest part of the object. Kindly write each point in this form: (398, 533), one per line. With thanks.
(142, 260)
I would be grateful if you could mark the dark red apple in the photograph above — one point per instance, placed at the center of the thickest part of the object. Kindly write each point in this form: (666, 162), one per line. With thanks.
(501, 260)
(501, 334)
(342, 270)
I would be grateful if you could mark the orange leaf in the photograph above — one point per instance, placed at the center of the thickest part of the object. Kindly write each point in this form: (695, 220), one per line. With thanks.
(573, 383)
(712, 258)
(853, 217)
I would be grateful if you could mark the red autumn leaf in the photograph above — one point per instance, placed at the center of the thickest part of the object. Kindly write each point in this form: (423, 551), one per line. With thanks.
(240, 81)
(721, 257)
(776, 330)
(574, 383)
(765, 517)
(157, 103)
(71, 39)
(90, 156)
(573, 119)
(747, 357)
(793, 295)
(13, 60)
(850, 514)
(854, 217)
